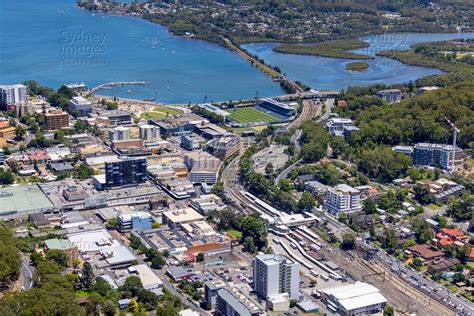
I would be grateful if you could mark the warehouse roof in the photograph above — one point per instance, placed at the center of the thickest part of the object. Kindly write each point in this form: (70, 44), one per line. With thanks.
(357, 295)
(23, 198)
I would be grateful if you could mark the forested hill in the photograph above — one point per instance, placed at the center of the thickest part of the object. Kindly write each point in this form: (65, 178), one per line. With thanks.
(297, 20)
(421, 118)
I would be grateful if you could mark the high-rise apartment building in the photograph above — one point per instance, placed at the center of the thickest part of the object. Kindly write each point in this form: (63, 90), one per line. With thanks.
(125, 171)
(56, 119)
(437, 155)
(10, 94)
(341, 199)
(274, 275)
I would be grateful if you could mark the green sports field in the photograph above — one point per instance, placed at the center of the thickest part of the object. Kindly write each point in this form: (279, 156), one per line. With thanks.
(249, 115)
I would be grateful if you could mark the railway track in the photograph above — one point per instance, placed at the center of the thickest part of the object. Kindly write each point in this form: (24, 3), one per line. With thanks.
(310, 109)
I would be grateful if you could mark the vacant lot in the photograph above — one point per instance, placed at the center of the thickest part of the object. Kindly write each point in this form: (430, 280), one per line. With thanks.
(248, 115)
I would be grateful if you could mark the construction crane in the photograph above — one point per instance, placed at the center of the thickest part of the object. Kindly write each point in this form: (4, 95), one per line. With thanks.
(455, 135)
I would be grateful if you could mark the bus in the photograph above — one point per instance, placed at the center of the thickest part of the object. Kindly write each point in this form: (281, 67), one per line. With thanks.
(324, 277)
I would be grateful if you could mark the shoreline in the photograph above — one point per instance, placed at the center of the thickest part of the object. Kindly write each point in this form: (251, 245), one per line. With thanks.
(289, 86)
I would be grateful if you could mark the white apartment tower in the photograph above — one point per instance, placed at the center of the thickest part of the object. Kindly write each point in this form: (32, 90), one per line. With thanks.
(341, 199)
(275, 274)
(10, 94)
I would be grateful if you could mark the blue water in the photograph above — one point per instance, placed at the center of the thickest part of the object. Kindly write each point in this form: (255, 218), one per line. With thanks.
(54, 43)
(330, 73)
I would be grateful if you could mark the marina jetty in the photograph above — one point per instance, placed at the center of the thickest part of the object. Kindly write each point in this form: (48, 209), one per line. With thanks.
(118, 83)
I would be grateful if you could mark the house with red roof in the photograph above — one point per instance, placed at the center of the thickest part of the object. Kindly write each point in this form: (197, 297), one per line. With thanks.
(451, 236)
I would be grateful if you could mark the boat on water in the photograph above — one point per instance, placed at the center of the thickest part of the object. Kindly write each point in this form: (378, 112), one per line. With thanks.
(129, 91)
(168, 88)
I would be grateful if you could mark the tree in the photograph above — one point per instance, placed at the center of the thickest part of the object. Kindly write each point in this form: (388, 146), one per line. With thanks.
(390, 240)
(459, 277)
(157, 262)
(6, 177)
(53, 294)
(369, 206)
(269, 169)
(148, 300)
(87, 276)
(112, 223)
(254, 233)
(388, 311)
(417, 263)
(101, 286)
(284, 185)
(58, 256)
(422, 229)
(36, 258)
(313, 152)
(423, 195)
(218, 189)
(135, 242)
(9, 258)
(132, 284)
(108, 308)
(82, 171)
(19, 132)
(200, 257)
(306, 202)
(132, 306)
(348, 241)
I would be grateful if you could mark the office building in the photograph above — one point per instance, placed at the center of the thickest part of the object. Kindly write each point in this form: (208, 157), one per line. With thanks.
(190, 141)
(149, 132)
(354, 299)
(10, 94)
(79, 107)
(390, 95)
(20, 109)
(7, 132)
(150, 280)
(210, 292)
(56, 119)
(342, 199)
(224, 147)
(205, 171)
(178, 125)
(125, 171)
(339, 126)
(113, 117)
(437, 155)
(230, 301)
(134, 221)
(2, 156)
(406, 150)
(119, 133)
(275, 274)
(181, 216)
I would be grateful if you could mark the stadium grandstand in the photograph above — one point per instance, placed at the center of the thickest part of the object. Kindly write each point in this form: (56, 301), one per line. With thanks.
(275, 108)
